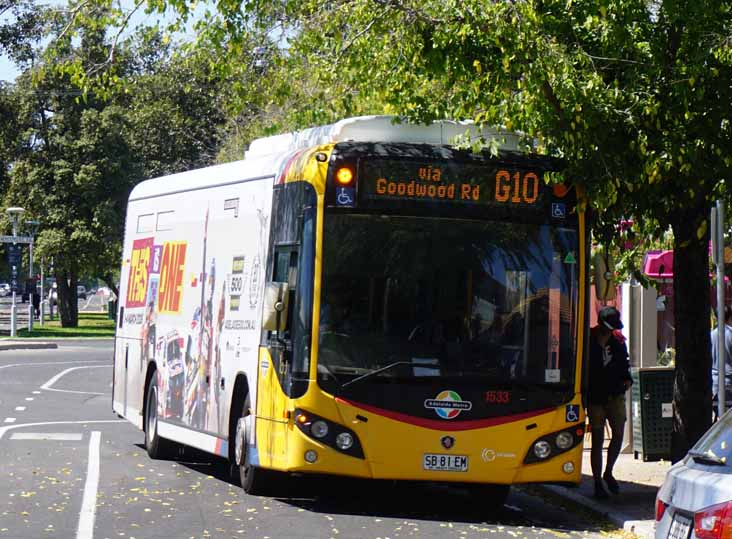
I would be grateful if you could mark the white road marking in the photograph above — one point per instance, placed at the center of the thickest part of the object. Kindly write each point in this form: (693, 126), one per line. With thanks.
(20, 408)
(29, 398)
(50, 363)
(36, 392)
(9, 420)
(3, 430)
(58, 436)
(47, 385)
(89, 501)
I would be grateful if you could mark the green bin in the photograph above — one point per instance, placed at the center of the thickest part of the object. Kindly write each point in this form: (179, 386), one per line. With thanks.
(652, 412)
(112, 309)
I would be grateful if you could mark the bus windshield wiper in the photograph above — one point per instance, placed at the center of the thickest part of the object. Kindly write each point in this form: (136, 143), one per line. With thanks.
(376, 371)
(707, 458)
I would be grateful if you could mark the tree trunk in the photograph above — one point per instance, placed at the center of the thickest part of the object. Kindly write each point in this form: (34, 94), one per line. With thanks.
(68, 303)
(692, 307)
(111, 284)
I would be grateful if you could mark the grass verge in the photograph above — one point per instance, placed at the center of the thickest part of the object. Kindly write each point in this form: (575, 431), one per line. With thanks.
(90, 325)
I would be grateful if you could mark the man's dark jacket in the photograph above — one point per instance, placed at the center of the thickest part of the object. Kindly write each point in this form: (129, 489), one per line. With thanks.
(608, 380)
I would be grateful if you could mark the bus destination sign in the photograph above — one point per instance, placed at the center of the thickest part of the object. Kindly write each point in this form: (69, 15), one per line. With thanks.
(456, 183)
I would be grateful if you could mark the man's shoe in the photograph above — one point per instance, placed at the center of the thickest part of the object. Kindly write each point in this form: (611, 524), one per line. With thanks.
(600, 492)
(612, 484)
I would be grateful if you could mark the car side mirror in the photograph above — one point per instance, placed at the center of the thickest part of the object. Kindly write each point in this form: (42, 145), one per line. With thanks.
(604, 276)
(274, 312)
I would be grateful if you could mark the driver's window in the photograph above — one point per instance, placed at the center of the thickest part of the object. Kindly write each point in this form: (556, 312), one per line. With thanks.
(285, 271)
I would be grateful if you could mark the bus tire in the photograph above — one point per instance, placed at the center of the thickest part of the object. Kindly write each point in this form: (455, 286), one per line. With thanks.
(252, 478)
(157, 447)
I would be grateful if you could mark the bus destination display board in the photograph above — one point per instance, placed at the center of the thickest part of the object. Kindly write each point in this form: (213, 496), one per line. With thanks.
(453, 183)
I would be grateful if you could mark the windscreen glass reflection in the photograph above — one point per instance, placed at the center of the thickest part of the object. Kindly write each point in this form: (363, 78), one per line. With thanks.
(416, 299)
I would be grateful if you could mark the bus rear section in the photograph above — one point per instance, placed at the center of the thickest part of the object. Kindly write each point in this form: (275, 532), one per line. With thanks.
(434, 323)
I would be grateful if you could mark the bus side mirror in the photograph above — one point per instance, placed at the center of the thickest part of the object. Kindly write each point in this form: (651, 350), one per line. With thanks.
(274, 313)
(604, 274)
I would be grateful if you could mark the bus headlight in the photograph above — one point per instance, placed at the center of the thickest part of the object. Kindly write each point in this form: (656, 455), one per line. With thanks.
(344, 441)
(564, 440)
(542, 449)
(555, 443)
(319, 429)
(328, 433)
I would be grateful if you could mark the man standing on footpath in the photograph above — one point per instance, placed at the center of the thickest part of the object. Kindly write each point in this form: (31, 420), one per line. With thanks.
(609, 380)
(727, 362)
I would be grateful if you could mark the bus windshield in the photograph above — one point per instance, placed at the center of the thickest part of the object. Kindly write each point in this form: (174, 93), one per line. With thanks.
(418, 300)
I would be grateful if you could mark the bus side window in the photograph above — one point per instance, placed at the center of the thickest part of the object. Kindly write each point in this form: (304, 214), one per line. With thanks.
(285, 271)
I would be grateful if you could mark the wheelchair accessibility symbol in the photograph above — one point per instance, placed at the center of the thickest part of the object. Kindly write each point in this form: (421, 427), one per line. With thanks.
(559, 211)
(571, 413)
(345, 196)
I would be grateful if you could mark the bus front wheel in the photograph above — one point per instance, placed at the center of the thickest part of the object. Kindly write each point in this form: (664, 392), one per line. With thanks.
(250, 476)
(157, 447)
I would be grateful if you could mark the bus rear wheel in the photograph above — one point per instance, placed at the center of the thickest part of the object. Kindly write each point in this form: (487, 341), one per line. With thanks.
(252, 477)
(157, 447)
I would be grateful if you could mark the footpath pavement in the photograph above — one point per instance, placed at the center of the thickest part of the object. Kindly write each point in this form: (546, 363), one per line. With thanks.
(634, 508)
(26, 344)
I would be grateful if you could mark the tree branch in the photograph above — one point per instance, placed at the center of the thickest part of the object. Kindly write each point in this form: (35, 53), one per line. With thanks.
(113, 47)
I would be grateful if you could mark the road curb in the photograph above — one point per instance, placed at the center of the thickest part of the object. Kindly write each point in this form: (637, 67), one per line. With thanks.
(641, 528)
(28, 346)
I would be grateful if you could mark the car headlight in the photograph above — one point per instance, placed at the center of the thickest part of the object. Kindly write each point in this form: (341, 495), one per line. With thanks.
(542, 449)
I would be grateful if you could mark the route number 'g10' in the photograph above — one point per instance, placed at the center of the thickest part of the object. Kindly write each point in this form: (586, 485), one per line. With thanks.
(515, 188)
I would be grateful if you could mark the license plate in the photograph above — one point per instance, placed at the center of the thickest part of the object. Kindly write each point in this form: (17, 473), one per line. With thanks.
(445, 463)
(680, 527)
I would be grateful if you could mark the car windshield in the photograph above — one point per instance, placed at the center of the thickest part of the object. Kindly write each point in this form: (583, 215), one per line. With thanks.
(717, 441)
(422, 299)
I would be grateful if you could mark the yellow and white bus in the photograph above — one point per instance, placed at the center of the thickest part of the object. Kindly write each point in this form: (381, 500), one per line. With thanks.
(361, 299)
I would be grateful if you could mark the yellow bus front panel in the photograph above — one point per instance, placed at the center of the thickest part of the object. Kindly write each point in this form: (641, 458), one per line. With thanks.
(398, 448)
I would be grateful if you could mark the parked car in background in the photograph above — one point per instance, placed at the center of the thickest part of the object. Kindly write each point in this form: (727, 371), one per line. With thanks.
(81, 292)
(695, 499)
(4, 290)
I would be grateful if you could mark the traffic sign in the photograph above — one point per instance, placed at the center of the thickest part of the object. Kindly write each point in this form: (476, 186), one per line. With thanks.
(16, 239)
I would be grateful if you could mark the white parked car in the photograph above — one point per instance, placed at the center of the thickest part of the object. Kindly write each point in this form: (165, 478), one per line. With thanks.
(4, 290)
(695, 500)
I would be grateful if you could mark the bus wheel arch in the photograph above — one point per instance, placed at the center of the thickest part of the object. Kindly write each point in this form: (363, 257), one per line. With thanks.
(252, 478)
(152, 370)
(157, 447)
(238, 399)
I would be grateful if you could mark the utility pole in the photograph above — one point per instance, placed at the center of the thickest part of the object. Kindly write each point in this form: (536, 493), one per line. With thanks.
(718, 259)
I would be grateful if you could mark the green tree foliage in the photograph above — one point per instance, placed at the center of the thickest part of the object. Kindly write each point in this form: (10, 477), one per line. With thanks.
(83, 152)
(23, 25)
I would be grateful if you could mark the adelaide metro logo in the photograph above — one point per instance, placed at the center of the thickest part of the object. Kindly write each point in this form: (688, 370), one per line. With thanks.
(448, 404)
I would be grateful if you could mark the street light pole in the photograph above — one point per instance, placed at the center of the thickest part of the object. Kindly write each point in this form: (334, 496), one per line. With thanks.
(14, 213)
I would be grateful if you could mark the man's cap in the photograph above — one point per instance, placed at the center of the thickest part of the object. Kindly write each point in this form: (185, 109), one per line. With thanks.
(610, 318)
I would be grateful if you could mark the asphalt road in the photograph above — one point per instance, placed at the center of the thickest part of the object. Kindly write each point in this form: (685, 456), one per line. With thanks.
(72, 469)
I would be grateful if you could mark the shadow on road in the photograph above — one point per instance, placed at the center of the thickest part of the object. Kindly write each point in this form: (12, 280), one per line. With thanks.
(401, 499)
